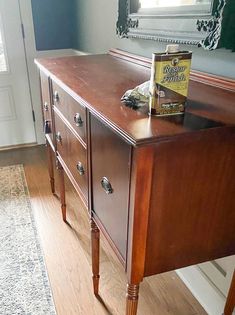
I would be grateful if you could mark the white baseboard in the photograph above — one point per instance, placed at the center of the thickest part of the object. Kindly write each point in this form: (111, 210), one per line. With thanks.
(204, 291)
(59, 53)
(80, 53)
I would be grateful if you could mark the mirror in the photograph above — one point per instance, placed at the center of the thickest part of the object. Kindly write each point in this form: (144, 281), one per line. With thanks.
(199, 5)
(206, 23)
(174, 7)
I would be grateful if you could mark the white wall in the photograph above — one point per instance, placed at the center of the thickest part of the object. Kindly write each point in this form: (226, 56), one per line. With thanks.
(96, 33)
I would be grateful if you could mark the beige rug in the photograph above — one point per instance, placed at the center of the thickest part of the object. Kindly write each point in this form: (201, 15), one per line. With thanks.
(24, 285)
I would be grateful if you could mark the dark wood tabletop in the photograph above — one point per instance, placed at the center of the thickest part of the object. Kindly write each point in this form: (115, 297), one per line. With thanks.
(101, 80)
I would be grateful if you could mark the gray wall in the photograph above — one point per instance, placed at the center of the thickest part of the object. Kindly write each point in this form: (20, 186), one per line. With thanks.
(53, 23)
(95, 33)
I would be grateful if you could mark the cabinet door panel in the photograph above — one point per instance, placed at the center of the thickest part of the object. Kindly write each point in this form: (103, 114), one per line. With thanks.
(111, 163)
(73, 154)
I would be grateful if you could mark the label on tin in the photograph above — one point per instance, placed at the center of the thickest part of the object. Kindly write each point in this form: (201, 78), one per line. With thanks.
(173, 74)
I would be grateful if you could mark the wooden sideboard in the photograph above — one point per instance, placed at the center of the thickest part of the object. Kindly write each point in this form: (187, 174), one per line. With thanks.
(160, 189)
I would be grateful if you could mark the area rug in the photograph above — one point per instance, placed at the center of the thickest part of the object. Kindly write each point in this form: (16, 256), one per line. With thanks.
(24, 285)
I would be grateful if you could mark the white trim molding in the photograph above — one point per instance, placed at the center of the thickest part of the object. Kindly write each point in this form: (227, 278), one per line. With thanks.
(31, 54)
(211, 299)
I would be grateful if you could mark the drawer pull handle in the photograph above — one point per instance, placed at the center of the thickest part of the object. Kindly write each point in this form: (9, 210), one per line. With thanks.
(46, 107)
(78, 120)
(80, 168)
(56, 97)
(106, 185)
(47, 127)
(58, 137)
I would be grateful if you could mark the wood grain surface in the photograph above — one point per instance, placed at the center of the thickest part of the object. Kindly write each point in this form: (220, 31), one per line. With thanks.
(67, 253)
(110, 159)
(92, 80)
(69, 108)
(192, 217)
(73, 153)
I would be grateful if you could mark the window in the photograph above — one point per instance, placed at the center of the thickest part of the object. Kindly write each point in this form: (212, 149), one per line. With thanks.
(3, 62)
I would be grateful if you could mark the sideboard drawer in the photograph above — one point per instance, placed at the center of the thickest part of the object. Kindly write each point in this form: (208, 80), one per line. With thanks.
(110, 162)
(73, 154)
(46, 105)
(71, 109)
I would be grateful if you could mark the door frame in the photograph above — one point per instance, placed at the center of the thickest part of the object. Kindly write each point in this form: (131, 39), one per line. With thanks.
(33, 75)
(6, 43)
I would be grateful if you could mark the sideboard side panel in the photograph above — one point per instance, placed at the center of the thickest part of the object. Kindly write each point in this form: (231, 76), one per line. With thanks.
(192, 210)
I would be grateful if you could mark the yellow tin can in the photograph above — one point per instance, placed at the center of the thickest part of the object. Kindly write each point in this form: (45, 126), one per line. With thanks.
(169, 81)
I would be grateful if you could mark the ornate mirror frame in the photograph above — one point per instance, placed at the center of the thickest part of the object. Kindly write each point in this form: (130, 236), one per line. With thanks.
(210, 31)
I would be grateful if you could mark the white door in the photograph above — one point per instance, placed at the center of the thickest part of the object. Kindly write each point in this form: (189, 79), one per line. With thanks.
(220, 272)
(16, 117)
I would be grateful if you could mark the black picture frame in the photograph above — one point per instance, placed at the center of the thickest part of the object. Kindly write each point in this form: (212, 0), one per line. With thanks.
(210, 31)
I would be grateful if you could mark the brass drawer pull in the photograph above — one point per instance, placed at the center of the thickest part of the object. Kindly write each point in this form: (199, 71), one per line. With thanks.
(78, 120)
(56, 97)
(58, 137)
(47, 127)
(46, 107)
(106, 185)
(80, 168)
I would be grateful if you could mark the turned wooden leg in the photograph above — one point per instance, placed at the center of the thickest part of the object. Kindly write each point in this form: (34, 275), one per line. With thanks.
(132, 296)
(230, 303)
(95, 250)
(50, 167)
(62, 190)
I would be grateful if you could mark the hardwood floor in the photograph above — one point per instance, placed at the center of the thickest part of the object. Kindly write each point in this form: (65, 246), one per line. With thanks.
(67, 254)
